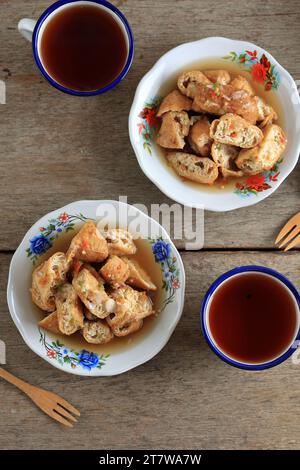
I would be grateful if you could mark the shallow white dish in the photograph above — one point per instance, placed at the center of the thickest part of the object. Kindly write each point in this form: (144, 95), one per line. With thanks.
(43, 236)
(142, 126)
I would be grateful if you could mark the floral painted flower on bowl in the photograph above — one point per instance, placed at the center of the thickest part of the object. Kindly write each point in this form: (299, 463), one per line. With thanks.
(261, 69)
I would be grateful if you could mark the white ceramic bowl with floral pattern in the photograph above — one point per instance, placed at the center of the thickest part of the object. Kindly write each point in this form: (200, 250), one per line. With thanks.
(43, 238)
(143, 125)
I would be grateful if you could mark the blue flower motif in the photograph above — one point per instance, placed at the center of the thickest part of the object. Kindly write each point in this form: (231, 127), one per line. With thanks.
(65, 351)
(88, 360)
(161, 250)
(39, 244)
(59, 230)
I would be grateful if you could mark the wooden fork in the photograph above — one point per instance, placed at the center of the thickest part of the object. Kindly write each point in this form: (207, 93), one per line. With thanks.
(289, 233)
(50, 403)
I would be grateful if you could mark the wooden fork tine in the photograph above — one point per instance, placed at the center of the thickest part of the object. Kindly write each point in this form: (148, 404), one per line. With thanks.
(293, 222)
(53, 414)
(62, 402)
(59, 409)
(295, 242)
(289, 237)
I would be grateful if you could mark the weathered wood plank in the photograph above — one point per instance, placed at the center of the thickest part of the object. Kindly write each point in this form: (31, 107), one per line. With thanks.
(56, 148)
(184, 398)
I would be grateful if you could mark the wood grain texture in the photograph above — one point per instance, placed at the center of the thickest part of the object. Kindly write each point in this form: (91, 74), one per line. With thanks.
(184, 398)
(57, 148)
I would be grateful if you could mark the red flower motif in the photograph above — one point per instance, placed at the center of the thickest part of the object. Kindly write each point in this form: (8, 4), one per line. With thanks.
(141, 126)
(265, 62)
(42, 229)
(256, 180)
(52, 354)
(268, 86)
(175, 284)
(259, 73)
(242, 59)
(252, 54)
(150, 115)
(63, 217)
(274, 177)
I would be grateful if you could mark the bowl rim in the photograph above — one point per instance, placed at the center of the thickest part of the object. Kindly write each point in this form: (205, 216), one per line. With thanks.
(203, 316)
(102, 372)
(240, 202)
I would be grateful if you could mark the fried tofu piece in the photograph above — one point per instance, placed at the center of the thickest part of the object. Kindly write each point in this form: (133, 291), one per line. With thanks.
(88, 315)
(115, 270)
(45, 280)
(97, 332)
(224, 156)
(264, 156)
(174, 128)
(69, 309)
(221, 99)
(199, 138)
(138, 276)
(266, 114)
(218, 76)
(174, 101)
(88, 245)
(232, 129)
(188, 82)
(120, 242)
(92, 293)
(128, 328)
(241, 83)
(131, 307)
(50, 323)
(199, 169)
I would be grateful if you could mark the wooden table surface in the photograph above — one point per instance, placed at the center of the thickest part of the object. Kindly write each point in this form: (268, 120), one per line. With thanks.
(56, 149)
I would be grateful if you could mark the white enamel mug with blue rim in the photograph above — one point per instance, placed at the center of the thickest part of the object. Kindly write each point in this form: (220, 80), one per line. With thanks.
(33, 30)
(205, 308)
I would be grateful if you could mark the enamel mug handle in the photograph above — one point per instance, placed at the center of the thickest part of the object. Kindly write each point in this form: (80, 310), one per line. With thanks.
(26, 27)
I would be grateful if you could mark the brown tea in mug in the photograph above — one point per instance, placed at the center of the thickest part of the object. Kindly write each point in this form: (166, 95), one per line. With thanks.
(83, 47)
(252, 318)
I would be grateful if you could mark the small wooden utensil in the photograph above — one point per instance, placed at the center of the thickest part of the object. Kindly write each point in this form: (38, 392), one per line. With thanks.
(50, 403)
(289, 233)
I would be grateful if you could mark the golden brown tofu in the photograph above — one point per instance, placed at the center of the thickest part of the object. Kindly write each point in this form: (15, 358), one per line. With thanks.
(174, 128)
(50, 323)
(266, 114)
(232, 129)
(131, 306)
(45, 280)
(97, 332)
(88, 315)
(120, 242)
(174, 101)
(224, 156)
(128, 328)
(88, 245)
(188, 82)
(69, 310)
(199, 169)
(115, 270)
(137, 276)
(241, 83)
(92, 293)
(199, 138)
(221, 99)
(264, 156)
(218, 76)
